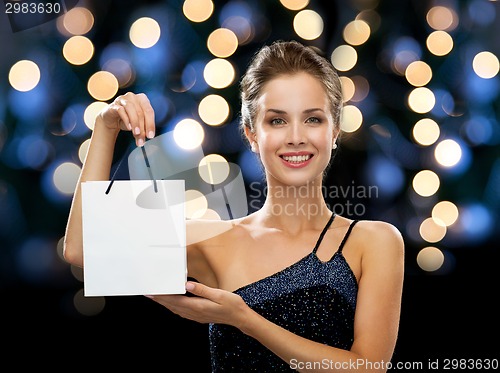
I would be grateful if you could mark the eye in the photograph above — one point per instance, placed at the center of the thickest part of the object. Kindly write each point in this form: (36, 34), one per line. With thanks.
(313, 120)
(277, 121)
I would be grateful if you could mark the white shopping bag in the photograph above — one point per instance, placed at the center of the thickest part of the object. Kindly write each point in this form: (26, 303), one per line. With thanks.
(134, 237)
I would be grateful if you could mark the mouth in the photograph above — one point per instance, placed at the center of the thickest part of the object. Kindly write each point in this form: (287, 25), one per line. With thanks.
(296, 160)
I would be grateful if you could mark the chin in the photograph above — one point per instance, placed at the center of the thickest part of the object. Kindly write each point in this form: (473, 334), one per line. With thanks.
(299, 180)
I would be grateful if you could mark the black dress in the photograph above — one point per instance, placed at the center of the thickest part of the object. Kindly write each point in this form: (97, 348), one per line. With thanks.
(310, 298)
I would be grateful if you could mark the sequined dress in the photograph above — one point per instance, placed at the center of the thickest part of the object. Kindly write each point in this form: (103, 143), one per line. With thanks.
(310, 298)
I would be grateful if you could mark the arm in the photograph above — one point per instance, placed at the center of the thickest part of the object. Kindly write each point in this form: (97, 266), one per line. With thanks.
(377, 310)
(127, 112)
(376, 319)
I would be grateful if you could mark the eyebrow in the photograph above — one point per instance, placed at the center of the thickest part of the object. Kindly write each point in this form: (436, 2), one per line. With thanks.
(307, 111)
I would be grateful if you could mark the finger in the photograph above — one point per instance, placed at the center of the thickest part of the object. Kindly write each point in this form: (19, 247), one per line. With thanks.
(118, 107)
(203, 291)
(192, 308)
(178, 304)
(149, 115)
(135, 115)
(164, 298)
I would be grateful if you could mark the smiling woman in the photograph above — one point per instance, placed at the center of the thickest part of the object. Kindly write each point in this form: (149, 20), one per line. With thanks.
(297, 136)
(291, 282)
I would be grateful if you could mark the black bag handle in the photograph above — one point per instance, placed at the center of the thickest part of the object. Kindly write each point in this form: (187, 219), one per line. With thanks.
(125, 155)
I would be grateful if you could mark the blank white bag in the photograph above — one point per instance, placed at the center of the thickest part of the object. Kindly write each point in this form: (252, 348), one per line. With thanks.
(134, 237)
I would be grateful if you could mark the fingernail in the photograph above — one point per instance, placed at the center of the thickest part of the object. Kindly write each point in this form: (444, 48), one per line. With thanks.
(137, 130)
(129, 126)
(140, 142)
(151, 134)
(189, 286)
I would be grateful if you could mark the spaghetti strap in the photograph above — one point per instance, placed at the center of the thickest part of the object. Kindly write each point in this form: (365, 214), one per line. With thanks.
(353, 223)
(323, 232)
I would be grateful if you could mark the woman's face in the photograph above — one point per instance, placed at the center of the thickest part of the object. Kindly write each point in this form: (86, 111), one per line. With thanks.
(294, 129)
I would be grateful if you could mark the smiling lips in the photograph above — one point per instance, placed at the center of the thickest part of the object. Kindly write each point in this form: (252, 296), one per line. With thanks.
(296, 160)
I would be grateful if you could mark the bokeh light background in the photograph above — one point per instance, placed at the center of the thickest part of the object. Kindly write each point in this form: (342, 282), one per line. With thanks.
(420, 126)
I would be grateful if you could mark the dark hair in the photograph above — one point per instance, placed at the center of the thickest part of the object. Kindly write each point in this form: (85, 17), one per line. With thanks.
(287, 58)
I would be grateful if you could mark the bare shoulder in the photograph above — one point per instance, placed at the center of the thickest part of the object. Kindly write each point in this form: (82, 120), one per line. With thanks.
(380, 238)
(202, 230)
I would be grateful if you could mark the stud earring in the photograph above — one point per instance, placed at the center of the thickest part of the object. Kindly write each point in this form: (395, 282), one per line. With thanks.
(253, 147)
(334, 146)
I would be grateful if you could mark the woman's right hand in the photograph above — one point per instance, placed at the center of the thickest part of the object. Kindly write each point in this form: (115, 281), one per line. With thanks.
(130, 112)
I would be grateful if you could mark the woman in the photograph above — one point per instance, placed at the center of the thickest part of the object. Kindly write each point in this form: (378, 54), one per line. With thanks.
(292, 285)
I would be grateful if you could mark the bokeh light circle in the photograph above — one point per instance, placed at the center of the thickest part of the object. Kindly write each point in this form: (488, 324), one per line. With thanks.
(198, 10)
(448, 153)
(213, 110)
(145, 32)
(188, 134)
(213, 169)
(486, 65)
(219, 73)
(222, 42)
(426, 132)
(103, 85)
(426, 183)
(430, 258)
(78, 50)
(445, 212)
(308, 24)
(24, 75)
(351, 118)
(344, 57)
(65, 177)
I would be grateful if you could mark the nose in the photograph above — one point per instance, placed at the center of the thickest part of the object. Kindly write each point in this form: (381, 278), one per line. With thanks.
(296, 134)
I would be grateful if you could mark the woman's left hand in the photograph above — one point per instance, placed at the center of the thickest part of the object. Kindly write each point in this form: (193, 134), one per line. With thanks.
(209, 305)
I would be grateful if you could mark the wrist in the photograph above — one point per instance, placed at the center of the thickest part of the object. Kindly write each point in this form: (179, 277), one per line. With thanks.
(104, 132)
(248, 319)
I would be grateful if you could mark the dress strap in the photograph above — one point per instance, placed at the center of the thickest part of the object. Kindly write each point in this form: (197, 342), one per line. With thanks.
(323, 232)
(353, 223)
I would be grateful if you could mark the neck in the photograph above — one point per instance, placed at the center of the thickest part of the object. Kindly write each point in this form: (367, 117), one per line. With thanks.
(295, 207)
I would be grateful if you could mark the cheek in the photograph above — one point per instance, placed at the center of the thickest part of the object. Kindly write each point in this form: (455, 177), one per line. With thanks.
(268, 148)
(322, 139)
(267, 141)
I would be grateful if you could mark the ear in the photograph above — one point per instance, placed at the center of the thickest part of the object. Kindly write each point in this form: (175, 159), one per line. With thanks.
(335, 138)
(252, 139)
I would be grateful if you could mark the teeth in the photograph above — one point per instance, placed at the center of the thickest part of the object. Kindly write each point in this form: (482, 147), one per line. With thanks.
(296, 158)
